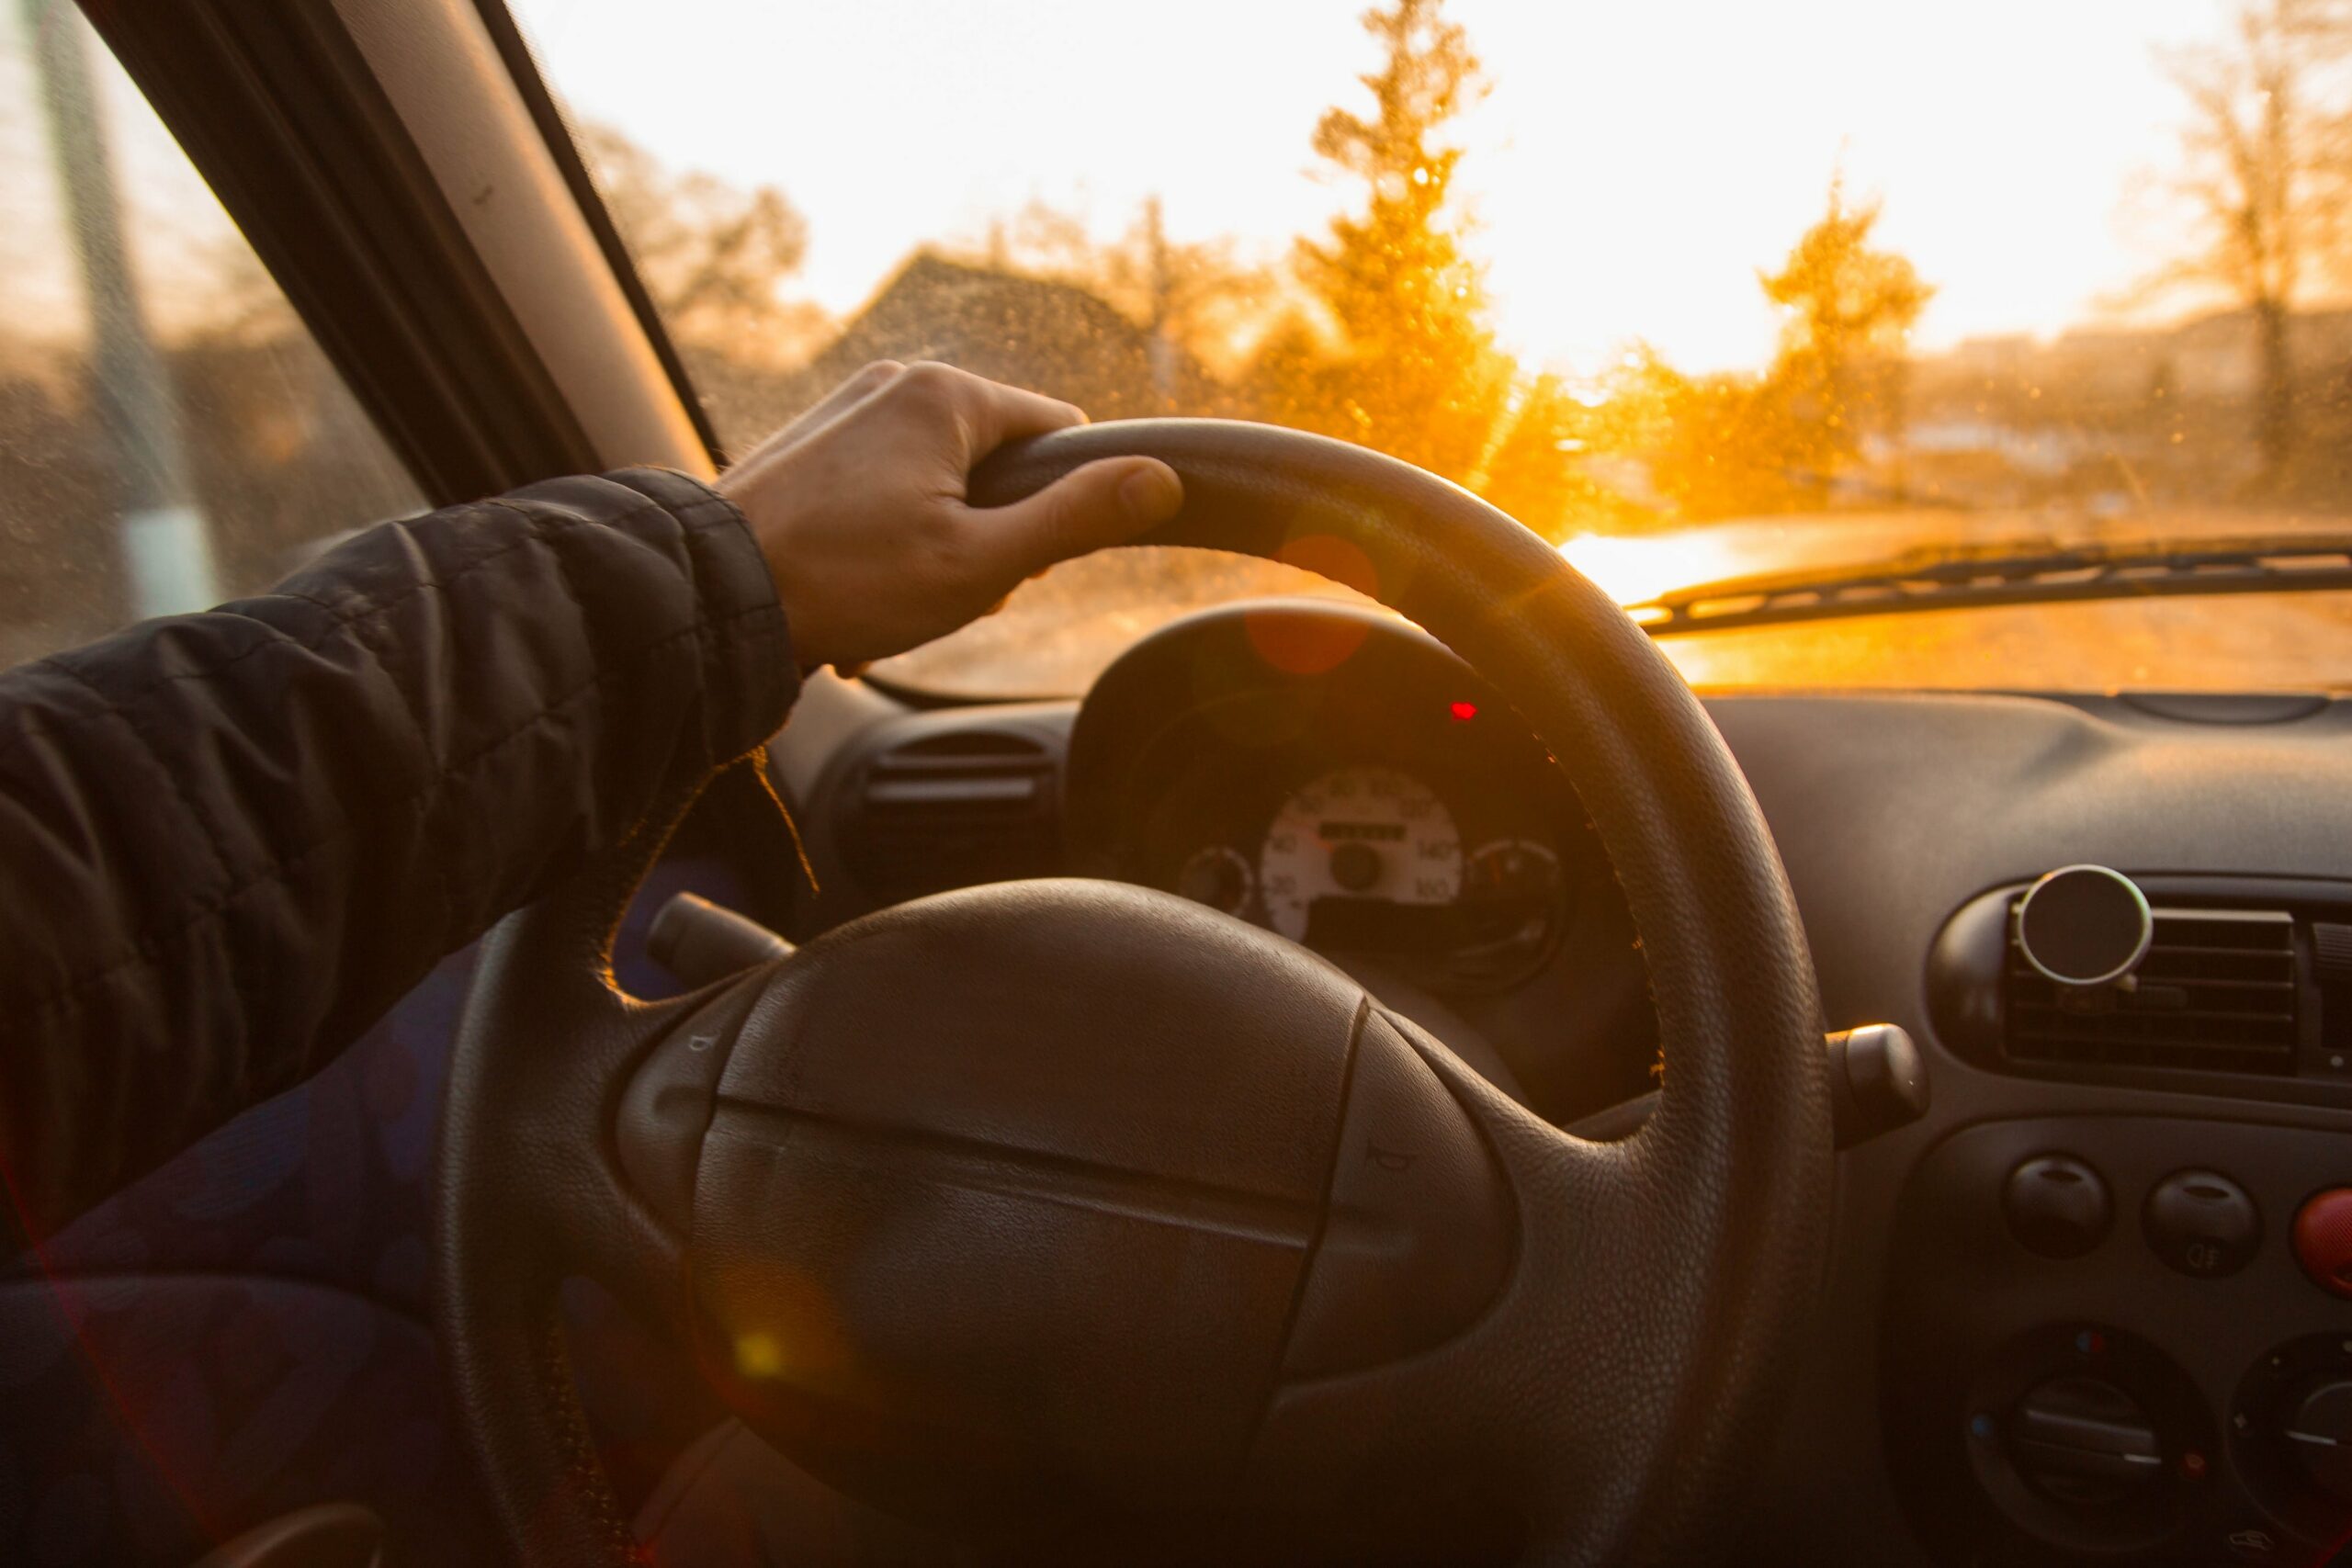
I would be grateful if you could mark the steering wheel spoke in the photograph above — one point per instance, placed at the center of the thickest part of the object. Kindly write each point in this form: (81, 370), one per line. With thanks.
(602, 1140)
(535, 1184)
(1569, 1380)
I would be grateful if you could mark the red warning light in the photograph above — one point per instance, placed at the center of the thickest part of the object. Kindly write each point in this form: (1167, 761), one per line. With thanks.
(1463, 712)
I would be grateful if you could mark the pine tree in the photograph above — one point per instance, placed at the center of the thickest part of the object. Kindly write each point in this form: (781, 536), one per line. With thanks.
(1423, 382)
(1535, 472)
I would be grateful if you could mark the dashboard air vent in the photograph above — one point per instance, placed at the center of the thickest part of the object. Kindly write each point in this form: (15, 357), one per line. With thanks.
(954, 810)
(2217, 992)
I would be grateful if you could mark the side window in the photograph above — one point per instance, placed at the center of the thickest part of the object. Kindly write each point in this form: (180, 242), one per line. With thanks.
(170, 436)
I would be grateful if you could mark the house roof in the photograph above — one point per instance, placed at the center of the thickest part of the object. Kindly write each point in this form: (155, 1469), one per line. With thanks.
(1053, 337)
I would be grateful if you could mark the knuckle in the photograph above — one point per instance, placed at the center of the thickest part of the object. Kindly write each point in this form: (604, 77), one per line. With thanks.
(929, 381)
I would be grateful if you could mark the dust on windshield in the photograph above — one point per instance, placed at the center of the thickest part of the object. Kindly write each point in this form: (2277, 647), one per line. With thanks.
(1693, 289)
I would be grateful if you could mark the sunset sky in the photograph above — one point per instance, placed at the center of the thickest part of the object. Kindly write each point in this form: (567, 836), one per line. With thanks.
(1633, 166)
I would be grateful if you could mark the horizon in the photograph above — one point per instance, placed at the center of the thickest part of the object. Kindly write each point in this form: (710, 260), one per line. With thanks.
(1723, 325)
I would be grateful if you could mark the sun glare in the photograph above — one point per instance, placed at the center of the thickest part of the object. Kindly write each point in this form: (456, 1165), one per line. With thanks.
(1629, 169)
(1699, 289)
(1635, 568)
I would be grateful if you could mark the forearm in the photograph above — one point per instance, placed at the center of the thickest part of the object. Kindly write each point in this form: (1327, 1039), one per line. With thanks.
(230, 840)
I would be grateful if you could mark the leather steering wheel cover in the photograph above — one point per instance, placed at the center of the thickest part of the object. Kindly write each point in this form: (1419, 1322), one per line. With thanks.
(1732, 1257)
(541, 1019)
(1698, 1289)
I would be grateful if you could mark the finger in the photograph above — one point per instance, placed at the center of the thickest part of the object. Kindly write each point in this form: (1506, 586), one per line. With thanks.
(854, 389)
(1103, 504)
(998, 413)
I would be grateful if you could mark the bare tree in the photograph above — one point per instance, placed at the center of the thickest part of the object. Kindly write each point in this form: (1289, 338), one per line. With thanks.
(713, 256)
(2263, 172)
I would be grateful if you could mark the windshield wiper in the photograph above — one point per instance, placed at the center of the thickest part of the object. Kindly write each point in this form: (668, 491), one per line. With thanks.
(1944, 578)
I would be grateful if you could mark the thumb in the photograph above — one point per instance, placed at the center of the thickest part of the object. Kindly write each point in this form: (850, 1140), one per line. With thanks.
(1107, 503)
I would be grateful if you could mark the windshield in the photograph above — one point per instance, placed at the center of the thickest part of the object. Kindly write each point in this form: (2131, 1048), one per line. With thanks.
(1695, 290)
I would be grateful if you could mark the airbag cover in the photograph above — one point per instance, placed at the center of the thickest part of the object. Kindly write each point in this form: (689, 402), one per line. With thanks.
(1006, 1195)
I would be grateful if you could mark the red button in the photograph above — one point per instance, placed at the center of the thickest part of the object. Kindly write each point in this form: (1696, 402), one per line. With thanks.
(2324, 1240)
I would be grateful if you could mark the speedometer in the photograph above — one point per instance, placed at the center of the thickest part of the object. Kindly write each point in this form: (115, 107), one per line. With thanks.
(1361, 832)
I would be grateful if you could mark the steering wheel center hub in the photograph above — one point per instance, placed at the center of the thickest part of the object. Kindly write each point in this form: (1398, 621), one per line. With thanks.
(1031, 1195)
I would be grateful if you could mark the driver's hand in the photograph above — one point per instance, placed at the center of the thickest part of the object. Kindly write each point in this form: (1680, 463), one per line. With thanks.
(858, 505)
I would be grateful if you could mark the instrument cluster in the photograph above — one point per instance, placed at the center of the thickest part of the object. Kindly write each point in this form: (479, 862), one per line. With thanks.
(1391, 806)
(1370, 858)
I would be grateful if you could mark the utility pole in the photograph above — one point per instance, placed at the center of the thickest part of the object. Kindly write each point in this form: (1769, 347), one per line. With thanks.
(166, 552)
(1160, 347)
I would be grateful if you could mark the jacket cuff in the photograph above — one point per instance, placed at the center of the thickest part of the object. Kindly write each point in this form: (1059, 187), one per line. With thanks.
(749, 670)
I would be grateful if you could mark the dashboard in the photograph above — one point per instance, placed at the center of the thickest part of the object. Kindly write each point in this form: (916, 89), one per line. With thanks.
(2170, 1381)
(1328, 772)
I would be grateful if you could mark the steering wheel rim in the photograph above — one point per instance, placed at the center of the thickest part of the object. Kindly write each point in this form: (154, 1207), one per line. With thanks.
(1614, 1388)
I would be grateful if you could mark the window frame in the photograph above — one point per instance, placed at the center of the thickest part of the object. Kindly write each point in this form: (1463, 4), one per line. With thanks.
(314, 136)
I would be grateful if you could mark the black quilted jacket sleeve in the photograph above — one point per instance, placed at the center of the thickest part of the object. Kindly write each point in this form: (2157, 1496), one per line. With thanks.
(229, 841)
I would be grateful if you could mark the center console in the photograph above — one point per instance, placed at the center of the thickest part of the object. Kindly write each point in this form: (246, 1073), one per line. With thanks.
(2129, 1338)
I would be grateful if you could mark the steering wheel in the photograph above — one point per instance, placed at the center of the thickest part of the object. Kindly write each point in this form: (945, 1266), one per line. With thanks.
(1078, 1221)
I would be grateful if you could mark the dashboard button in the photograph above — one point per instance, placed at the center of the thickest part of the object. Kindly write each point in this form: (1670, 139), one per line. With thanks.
(2056, 1205)
(2324, 1240)
(2201, 1223)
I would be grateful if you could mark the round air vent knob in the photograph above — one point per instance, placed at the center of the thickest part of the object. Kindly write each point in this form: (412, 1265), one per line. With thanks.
(2084, 925)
